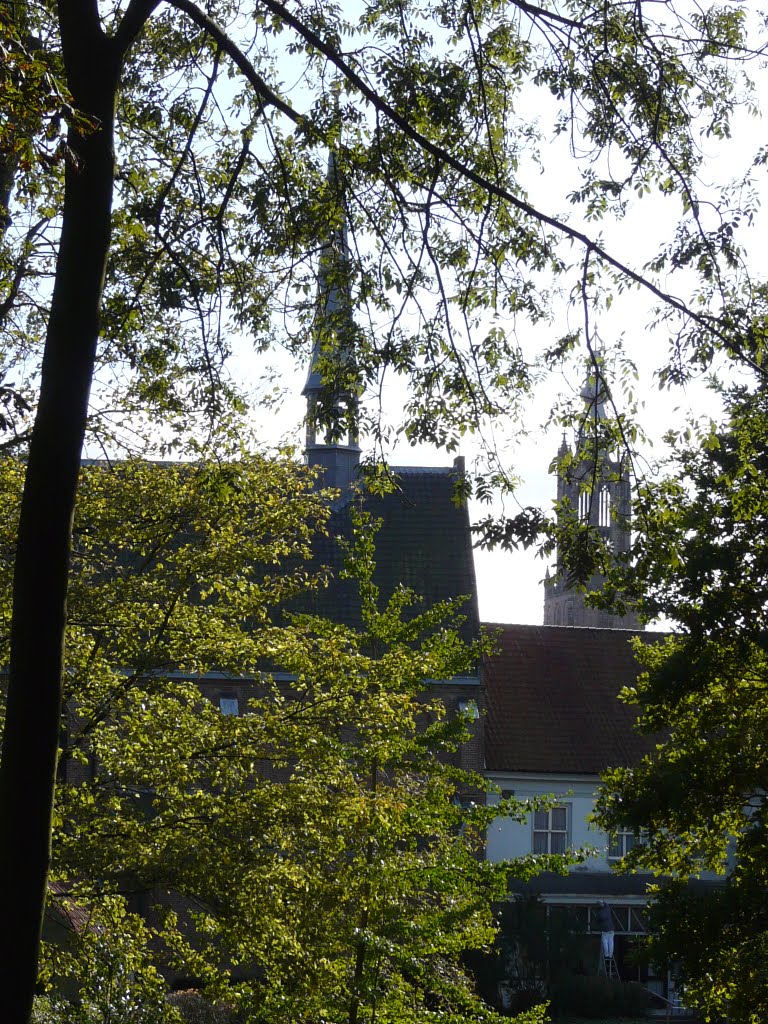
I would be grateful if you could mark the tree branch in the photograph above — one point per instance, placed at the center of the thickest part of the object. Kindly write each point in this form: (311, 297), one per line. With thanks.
(233, 51)
(135, 18)
(166, 189)
(539, 12)
(275, 7)
(21, 269)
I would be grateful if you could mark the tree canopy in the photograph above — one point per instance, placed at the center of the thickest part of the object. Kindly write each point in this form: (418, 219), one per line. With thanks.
(317, 854)
(162, 185)
(699, 799)
(221, 202)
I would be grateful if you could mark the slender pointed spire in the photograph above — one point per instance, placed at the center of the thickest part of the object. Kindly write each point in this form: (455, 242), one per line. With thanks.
(330, 386)
(334, 304)
(595, 488)
(595, 390)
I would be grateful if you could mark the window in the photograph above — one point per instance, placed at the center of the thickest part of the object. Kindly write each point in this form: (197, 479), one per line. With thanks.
(470, 709)
(620, 843)
(550, 830)
(229, 705)
(627, 919)
(585, 505)
(605, 507)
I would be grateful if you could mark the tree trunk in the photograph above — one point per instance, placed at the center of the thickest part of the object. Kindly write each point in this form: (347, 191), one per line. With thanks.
(362, 942)
(30, 741)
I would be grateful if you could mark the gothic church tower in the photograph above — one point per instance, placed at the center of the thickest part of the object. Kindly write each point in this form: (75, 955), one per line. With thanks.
(597, 488)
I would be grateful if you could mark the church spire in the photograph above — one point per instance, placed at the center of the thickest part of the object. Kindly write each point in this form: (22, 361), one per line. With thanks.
(330, 388)
(596, 487)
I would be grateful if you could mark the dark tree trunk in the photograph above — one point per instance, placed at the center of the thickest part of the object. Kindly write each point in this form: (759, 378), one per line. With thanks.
(30, 742)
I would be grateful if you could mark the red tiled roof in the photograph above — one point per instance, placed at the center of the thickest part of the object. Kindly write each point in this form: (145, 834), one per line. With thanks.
(551, 700)
(67, 911)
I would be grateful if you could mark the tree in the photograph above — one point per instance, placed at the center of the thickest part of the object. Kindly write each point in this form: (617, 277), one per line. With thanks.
(699, 799)
(222, 199)
(318, 837)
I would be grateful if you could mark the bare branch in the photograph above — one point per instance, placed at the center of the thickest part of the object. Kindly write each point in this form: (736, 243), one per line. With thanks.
(21, 269)
(539, 12)
(185, 153)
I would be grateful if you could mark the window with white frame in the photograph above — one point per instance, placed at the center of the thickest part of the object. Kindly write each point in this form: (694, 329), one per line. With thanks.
(550, 830)
(627, 919)
(621, 842)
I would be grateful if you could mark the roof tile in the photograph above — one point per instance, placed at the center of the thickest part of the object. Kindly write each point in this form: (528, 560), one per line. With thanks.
(424, 543)
(552, 701)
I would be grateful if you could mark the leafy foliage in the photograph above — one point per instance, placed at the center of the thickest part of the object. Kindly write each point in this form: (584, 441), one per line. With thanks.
(221, 203)
(183, 207)
(329, 834)
(700, 798)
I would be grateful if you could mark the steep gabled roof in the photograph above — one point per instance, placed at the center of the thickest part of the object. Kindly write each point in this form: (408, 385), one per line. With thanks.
(552, 704)
(424, 543)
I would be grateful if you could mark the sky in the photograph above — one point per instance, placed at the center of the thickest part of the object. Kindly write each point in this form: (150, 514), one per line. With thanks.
(510, 583)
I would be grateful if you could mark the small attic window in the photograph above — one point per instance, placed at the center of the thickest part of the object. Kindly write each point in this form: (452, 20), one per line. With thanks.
(228, 705)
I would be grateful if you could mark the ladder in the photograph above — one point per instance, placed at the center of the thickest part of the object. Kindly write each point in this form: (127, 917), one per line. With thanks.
(607, 965)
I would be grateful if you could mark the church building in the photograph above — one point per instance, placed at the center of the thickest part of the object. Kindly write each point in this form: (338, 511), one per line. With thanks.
(423, 538)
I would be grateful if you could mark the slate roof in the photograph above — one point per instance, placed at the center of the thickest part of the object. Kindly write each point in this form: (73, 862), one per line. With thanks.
(424, 543)
(551, 700)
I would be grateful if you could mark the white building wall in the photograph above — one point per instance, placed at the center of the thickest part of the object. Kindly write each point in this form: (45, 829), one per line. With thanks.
(507, 838)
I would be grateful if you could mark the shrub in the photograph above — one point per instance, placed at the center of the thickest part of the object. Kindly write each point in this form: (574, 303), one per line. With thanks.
(46, 1011)
(194, 1008)
(594, 997)
(55, 1010)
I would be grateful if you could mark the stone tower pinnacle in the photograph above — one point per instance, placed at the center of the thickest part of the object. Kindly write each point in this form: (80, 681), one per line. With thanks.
(597, 488)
